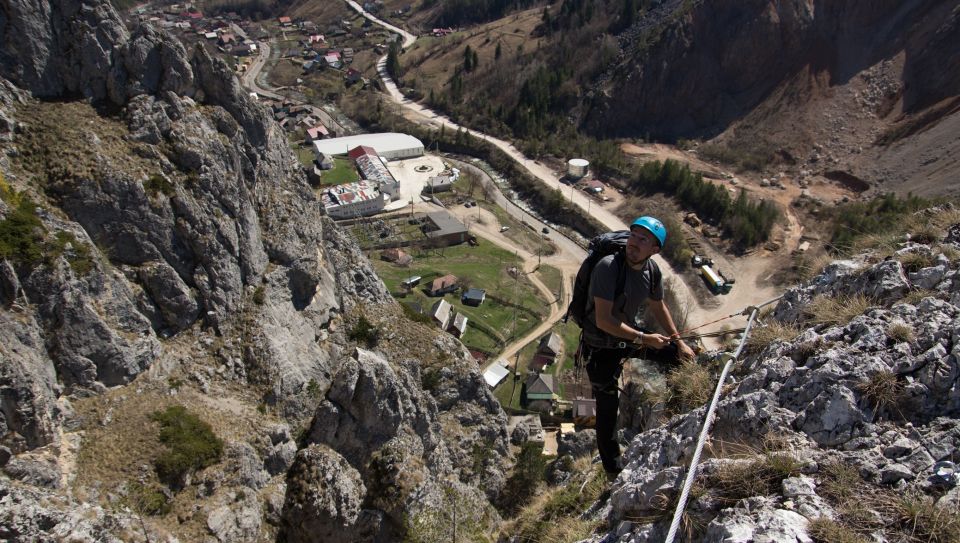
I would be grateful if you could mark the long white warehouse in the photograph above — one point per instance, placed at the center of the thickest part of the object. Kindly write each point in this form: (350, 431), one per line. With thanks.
(389, 145)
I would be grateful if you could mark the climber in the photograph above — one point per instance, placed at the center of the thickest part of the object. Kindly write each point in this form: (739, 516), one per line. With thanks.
(613, 327)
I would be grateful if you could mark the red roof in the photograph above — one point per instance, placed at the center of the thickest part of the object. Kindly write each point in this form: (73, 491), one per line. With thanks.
(361, 150)
(284, 20)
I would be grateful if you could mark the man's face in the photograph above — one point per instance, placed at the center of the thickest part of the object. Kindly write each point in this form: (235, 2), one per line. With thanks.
(641, 245)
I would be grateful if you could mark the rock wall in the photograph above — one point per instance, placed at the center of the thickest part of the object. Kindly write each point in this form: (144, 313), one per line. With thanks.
(209, 255)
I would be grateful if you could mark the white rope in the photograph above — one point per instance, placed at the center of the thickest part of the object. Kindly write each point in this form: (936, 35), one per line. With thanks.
(708, 422)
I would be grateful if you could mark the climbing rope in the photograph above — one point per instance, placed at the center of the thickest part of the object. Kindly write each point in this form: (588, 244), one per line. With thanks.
(708, 421)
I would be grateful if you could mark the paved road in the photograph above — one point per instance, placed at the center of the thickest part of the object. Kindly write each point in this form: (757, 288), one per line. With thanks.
(249, 80)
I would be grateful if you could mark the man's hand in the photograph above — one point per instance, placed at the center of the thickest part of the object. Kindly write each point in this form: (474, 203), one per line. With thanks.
(685, 351)
(656, 341)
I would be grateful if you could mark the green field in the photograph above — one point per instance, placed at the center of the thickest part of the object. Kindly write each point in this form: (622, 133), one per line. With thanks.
(343, 172)
(513, 305)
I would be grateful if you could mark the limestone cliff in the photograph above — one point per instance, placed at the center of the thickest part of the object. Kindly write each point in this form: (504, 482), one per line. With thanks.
(173, 253)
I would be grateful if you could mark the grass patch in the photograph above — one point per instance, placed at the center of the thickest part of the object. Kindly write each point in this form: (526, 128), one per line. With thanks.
(824, 530)
(691, 386)
(190, 444)
(900, 332)
(343, 171)
(736, 480)
(523, 484)
(762, 336)
(914, 262)
(555, 514)
(921, 520)
(836, 310)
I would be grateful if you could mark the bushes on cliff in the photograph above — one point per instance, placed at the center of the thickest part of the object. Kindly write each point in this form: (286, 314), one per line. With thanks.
(190, 444)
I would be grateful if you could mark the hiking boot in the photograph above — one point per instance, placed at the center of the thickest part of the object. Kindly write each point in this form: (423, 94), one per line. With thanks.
(612, 475)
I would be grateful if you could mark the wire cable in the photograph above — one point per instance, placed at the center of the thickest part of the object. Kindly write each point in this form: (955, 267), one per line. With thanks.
(708, 422)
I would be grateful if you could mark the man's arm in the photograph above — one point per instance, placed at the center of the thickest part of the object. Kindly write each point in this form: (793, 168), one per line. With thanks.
(662, 313)
(607, 322)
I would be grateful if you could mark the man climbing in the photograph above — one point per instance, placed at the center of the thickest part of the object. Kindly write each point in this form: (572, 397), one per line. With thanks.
(613, 326)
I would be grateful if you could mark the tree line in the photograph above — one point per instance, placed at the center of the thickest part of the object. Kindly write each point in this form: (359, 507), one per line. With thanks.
(745, 222)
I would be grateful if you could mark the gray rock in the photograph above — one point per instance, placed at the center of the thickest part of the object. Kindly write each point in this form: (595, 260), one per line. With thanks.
(33, 471)
(756, 523)
(893, 473)
(238, 521)
(171, 295)
(577, 444)
(324, 495)
(798, 486)
(281, 457)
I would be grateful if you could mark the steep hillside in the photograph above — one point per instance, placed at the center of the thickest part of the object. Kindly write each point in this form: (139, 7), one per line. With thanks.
(189, 347)
(821, 85)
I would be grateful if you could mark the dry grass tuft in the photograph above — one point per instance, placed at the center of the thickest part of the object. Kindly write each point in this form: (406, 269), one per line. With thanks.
(882, 390)
(691, 385)
(900, 332)
(809, 266)
(762, 476)
(837, 310)
(824, 530)
(916, 261)
(922, 520)
(926, 234)
(914, 296)
(762, 336)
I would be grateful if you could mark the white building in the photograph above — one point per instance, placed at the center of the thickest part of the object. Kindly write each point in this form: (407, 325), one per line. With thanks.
(389, 145)
(353, 200)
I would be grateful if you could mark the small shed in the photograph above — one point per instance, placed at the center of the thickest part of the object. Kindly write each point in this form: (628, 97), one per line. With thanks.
(443, 285)
(585, 412)
(458, 326)
(547, 351)
(397, 256)
(411, 281)
(441, 313)
(496, 373)
(473, 297)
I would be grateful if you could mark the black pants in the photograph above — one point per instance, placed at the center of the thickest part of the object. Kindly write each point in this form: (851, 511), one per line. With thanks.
(604, 367)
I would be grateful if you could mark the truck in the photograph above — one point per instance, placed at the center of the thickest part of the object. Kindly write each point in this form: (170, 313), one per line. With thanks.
(715, 282)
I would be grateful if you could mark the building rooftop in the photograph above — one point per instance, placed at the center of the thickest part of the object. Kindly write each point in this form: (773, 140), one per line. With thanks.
(383, 143)
(444, 223)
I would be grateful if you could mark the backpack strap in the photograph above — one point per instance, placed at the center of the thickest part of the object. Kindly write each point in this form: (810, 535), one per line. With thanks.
(620, 260)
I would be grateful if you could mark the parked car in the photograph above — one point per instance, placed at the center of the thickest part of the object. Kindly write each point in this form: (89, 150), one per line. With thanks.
(504, 228)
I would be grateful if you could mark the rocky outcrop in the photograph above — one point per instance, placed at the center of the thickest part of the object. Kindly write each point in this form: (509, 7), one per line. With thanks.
(880, 394)
(187, 241)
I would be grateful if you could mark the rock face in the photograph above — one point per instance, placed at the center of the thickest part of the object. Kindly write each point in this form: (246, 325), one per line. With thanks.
(187, 239)
(880, 394)
(742, 53)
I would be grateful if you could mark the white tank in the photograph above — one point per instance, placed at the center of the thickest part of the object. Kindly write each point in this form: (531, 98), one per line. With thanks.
(577, 167)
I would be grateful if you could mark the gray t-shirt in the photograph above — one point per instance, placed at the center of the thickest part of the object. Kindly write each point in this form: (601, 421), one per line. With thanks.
(638, 286)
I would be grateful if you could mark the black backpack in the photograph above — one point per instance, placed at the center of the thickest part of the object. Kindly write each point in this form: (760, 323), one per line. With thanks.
(600, 246)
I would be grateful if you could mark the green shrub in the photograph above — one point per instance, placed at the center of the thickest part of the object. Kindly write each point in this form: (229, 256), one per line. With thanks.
(79, 256)
(414, 315)
(259, 295)
(148, 499)
(190, 444)
(364, 332)
(157, 184)
(21, 234)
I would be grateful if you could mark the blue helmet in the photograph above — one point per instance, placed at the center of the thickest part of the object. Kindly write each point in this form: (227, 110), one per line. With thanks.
(654, 226)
